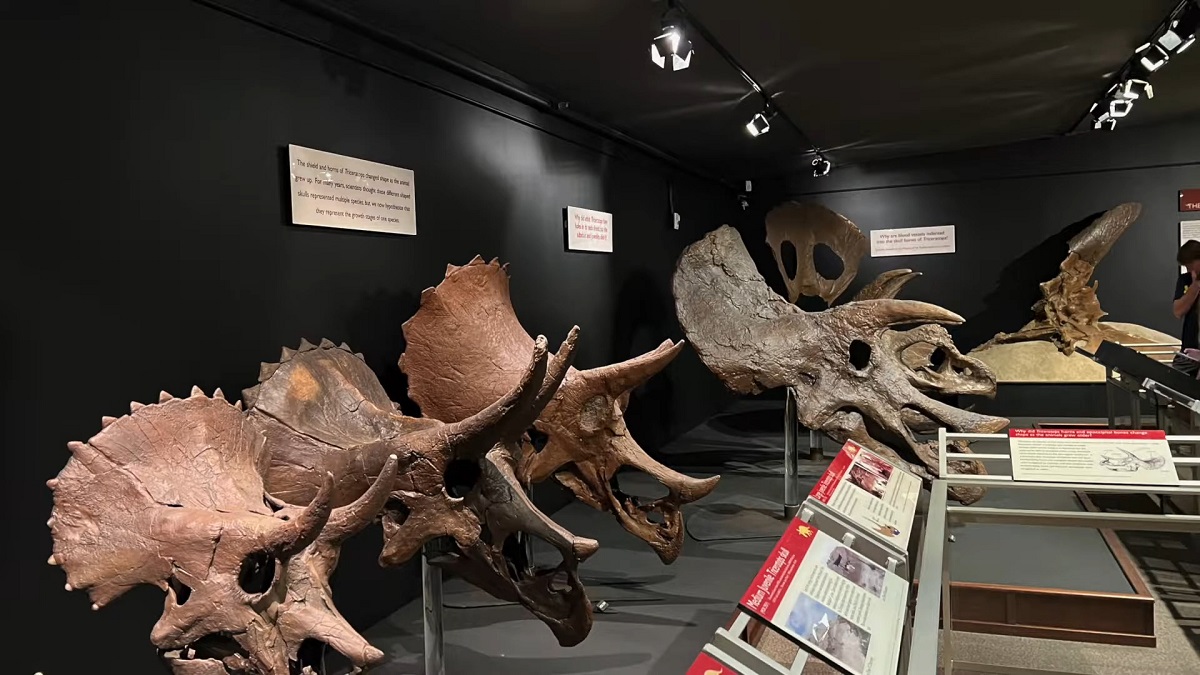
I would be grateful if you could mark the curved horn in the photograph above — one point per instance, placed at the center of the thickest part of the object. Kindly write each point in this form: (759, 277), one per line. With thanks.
(293, 536)
(1095, 241)
(887, 313)
(347, 520)
(619, 378)
(887, 285)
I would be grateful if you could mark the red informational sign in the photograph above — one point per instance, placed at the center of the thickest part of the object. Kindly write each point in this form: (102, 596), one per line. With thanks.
(1189, 200)
(832, 477)
(1128, 434)
(776, 575)
(707, 665)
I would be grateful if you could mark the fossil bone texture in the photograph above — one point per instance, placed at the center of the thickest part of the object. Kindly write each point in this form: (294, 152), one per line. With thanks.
(1069, 312)
(171, 495)
(843, 365)
(322, 410)
(465, 346)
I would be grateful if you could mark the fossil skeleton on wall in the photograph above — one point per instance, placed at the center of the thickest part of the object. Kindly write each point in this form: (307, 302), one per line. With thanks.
(1069, 313)
(465, 347)
(324, 411)
(843, 365)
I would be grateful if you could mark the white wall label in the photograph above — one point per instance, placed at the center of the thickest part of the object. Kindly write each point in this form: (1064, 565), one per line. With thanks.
(331, 190)
(1117, 456)
(589, 230)
(912, 241)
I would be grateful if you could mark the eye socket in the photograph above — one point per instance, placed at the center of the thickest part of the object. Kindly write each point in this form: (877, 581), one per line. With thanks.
(537, 439)
(257, 573)
(787, 255)
(860, 354)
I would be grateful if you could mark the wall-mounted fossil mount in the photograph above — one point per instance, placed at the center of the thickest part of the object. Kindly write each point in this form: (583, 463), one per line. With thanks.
(843, 365)
(465, 347)
(795, 231)
(322, 410)
(171, 495)
(1068, 316)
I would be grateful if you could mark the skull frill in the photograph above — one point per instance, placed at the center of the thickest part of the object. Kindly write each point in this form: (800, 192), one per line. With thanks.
(323, 410)
(853, 376)
(465, 346)
(172, 495)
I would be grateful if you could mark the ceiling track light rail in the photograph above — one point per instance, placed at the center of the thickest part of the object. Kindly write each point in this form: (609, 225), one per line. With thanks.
(677, 20)
(1175, 35)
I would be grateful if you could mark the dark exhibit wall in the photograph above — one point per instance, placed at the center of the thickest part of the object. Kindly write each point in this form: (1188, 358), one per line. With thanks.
(1013, 209)
(156, 253)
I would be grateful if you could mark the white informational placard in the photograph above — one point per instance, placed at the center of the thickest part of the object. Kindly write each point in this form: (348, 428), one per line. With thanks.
(1116, 456)
(831, 601)
(871, 493)
(589, 230)
(1188, 229)
(331, 190)
(912, 241)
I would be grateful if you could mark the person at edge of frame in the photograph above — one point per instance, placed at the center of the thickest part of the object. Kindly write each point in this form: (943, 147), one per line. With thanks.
(1185, 307)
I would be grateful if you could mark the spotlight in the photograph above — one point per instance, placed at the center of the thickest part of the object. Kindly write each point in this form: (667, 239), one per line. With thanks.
(760, 123)
(1102, 117)
(1151, 57)
(821, 166)
(1119, 107)
(672, 45)
(1181, 31)
(1133, 89)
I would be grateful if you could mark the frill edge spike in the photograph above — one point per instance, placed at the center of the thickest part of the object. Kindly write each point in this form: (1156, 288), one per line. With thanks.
(345, 347)
(286, 353)
(52, 483)
(134, 406)
(197, 391)
(163, 396)
(326, 343)
(306, 346)
(237, 405)
(217, 393)
(266, 370)
(106, 420)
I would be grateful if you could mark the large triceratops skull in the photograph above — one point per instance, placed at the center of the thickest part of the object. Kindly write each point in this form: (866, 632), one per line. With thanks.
(171, 495)
(465, 347)
(455, 480)
(843, 365)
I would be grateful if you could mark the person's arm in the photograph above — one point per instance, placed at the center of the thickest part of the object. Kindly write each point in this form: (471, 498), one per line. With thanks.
(1184, 301)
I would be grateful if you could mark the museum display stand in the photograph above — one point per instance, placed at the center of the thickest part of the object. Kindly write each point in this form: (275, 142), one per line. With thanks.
(924, 648)
(791, 456)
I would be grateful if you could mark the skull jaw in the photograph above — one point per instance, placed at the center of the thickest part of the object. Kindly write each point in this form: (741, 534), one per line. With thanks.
(567, 612)
(665, 538)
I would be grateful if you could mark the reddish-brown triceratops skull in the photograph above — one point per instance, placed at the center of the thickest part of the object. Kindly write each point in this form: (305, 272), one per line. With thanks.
(465, 347)
(846, 366)
(171, 495)
(325, 411)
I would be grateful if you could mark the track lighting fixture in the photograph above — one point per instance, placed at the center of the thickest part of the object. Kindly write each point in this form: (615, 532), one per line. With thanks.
(672, 46)
(1135, 89)
(1151, 57)
(1180, 32)
(760, 123)
(821, 166)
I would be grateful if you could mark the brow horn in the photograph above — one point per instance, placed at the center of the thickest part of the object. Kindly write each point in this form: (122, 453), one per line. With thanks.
(890, 312)
(345, 521)
(291, 537)
(887, 285)
(619, 378)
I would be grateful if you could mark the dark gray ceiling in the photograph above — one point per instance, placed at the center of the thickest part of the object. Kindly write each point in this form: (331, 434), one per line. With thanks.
(865, 80)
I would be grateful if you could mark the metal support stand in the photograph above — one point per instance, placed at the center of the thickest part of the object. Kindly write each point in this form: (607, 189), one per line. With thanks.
(791, 460)
(431, 594)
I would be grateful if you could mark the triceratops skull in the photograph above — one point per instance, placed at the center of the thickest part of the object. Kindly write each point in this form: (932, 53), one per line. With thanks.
(843, 365)
(171, 495)
(455, 480)
(465, 346)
